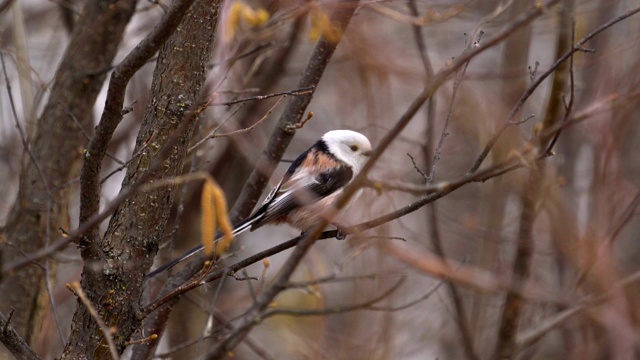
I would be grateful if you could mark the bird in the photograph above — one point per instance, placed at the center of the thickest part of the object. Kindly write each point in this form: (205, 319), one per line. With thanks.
(308, 189)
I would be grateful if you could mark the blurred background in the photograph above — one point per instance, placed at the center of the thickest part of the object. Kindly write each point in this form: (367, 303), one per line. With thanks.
(585, 253)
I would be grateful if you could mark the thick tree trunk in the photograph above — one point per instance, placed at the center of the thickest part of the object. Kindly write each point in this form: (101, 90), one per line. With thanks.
(114, 277)
(41, 206)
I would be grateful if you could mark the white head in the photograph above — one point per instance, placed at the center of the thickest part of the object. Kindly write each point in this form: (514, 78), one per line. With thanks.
(349, 146)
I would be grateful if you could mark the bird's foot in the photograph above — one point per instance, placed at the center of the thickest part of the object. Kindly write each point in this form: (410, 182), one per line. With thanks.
(341, 230)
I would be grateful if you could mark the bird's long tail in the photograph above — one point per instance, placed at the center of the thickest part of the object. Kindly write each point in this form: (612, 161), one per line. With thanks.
(239, 229)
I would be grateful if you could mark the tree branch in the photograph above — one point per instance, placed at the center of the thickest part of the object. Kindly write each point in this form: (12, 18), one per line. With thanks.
(112, 114)
(337, 309)
(12, 340)
(530, 90)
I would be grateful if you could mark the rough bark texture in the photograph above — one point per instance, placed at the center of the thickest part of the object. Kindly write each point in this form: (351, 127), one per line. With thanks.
(41, 206)
(113, 277)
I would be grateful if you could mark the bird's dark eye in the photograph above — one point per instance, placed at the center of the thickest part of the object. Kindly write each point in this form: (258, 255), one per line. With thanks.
(353, 148)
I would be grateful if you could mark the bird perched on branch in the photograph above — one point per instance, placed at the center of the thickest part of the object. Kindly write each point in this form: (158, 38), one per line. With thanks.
(308, 189)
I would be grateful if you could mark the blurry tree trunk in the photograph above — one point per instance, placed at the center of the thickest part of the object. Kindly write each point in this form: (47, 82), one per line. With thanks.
(533, 190)
(564, 230)
(113, 277)
(515, 55)
(41, 207)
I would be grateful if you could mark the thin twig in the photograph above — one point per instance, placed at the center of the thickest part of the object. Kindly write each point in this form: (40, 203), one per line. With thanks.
(23, 137)
(208, 330)
(144, 340)
(229, 117)
(214, 134)
(627, 215)
(517, 161)
(456, 85)
(411, 303)
(417, 168)
(297, 92)
(14, 342)
(254, 50)
(84, 132)
(249, 342)
(5, 327)
(335, 279)
(124, 165)
(338, 309)
(51, 298)
(415, 20)
(530, 336)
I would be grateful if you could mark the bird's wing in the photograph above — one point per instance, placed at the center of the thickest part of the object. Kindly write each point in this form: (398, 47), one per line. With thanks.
(302, 189)
(294, 171)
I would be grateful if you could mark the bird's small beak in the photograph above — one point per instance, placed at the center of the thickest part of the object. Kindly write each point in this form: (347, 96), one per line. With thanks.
(367, 153)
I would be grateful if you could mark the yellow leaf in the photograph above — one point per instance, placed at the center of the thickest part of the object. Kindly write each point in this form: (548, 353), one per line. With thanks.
(255, 18)
(241, 12)
(233, 20)
(223, 221)
(321, 26)
(207, 221)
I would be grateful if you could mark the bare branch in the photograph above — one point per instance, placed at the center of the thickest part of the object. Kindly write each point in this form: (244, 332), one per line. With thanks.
(338, 309)
(214, 134)
(23, 136)
(530, 336)
(297, 92)
(12, 340)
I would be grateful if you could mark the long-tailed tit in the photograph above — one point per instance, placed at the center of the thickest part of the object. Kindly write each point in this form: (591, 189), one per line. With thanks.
(308, 189)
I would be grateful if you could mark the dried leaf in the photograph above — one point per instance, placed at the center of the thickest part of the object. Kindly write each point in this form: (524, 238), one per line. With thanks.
(242, 13)
(222, 216)
(321, 26)
(208, 217)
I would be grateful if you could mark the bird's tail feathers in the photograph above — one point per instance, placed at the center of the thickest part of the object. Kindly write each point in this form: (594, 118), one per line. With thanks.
(175, 261)
(243, 226)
